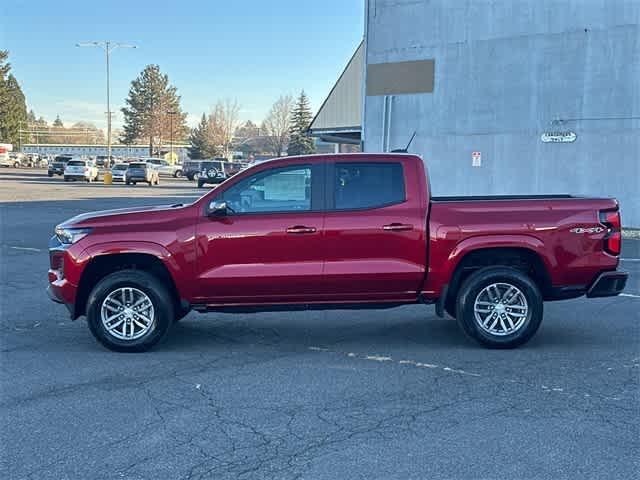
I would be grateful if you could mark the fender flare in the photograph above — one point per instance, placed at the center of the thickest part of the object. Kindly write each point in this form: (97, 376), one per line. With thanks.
(156, 250)
(483, 242)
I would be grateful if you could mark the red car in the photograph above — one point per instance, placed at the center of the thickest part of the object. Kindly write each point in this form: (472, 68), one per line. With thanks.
(335, 231)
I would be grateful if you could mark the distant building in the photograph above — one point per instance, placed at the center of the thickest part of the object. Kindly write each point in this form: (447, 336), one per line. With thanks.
(93, 150)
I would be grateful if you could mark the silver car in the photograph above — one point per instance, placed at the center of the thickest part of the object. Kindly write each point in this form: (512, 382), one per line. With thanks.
(165, 168)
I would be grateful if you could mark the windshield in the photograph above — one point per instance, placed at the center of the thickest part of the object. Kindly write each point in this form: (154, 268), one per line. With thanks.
(61, 158)
(121, 166)
(76, 163)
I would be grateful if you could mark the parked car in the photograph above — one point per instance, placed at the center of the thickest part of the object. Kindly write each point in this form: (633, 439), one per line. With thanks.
(211, 172)
(118, 172)
(56, 167)
(33, 160)
(217, 171)
(78, 169)
(104, 161)
(141, 172)
(166, 168)
(335, 231)
(191, 169)
(8, 160)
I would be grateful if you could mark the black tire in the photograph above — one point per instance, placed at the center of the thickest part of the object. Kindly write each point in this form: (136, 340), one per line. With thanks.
(200, 184)
(178, 174)
(134, 183)
(66, 179)
(190, 178)
(153, 288)
(127, 182)
(472, 288)
(150, 182)
(49, 175)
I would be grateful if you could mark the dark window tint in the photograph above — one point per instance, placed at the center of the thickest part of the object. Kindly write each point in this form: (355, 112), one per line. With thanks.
(368, 185)
(76, 163)
(138, 165)
(277, 190)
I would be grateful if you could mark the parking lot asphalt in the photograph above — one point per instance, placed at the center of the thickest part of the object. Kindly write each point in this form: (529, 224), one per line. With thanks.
(392, 394)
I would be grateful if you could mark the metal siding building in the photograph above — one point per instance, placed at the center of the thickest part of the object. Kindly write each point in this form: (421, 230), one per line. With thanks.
(503, 74)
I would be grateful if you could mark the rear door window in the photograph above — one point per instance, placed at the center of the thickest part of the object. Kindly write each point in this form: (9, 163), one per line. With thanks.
(368, 185)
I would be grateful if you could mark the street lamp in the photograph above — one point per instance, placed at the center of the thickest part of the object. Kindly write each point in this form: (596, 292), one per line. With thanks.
(171, 113)
(108, 47)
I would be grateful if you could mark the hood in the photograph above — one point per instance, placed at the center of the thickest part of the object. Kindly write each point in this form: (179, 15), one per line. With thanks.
(121, 215)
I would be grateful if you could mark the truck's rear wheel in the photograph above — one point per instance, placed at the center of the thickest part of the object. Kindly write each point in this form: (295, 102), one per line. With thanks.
(500, 307)
(129, 311)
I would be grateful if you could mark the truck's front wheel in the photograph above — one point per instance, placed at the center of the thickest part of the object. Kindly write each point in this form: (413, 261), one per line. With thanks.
(129, 311)
(500, 307)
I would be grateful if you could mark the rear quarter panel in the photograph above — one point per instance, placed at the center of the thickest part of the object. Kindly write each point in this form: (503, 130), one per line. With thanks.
(542, 226)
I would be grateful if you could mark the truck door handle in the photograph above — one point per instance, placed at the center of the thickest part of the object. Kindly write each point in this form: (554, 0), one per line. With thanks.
(397, 227)
(301, 229)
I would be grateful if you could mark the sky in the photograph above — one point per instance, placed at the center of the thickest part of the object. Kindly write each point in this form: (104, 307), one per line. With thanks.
(251, 50)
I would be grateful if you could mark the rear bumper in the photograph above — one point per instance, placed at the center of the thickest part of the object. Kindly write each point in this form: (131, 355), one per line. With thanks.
(608, 284)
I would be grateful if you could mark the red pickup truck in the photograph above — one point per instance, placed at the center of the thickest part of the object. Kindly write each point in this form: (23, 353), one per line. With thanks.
(335, 231)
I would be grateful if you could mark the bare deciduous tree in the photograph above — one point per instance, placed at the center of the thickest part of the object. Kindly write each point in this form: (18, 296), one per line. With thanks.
(223, 121)
(277, 123)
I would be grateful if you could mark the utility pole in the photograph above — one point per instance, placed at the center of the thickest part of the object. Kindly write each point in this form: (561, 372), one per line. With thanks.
(171, 113)
(108, 47)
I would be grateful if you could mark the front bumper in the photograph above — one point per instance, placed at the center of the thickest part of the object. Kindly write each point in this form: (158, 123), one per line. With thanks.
(60, 289)
(608, 284)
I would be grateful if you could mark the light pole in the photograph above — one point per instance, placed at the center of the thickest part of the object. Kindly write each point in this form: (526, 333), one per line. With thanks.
(171, 113)
(108, 47)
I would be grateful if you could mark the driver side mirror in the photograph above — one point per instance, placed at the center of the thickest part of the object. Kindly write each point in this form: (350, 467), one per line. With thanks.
(218, 208)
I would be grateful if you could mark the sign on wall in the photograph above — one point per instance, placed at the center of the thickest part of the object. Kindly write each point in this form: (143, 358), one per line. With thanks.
(476, 159)
(558, 137)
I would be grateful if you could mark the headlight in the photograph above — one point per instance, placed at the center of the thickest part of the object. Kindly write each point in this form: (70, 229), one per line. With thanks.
(69, 236)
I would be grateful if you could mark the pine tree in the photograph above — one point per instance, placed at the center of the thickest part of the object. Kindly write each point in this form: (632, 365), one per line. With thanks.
(299, 142)
(57, 122)
(200, 140)
(13, 108)
(147, 116)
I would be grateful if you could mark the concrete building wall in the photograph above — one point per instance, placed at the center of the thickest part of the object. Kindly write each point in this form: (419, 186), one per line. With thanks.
(505, 73)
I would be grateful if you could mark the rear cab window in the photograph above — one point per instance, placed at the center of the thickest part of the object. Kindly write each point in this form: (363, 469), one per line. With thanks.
(361, 185)
(138, 165)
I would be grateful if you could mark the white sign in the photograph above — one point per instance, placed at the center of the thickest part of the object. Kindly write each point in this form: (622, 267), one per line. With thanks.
(476, 159)
(558, 137)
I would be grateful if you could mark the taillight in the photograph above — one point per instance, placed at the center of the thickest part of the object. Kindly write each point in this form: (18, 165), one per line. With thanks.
(613, 238)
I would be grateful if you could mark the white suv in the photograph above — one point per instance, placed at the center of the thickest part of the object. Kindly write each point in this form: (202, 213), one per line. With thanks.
(78, 169)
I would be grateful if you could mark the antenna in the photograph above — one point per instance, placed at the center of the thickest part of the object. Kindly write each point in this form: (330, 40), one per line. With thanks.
(405, 149)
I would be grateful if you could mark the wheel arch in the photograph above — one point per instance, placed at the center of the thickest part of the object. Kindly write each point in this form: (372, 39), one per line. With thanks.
(521, 257)
(104, 263)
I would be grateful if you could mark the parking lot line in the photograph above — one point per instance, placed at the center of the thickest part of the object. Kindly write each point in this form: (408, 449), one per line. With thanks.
(631, 295)
(28, 249)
